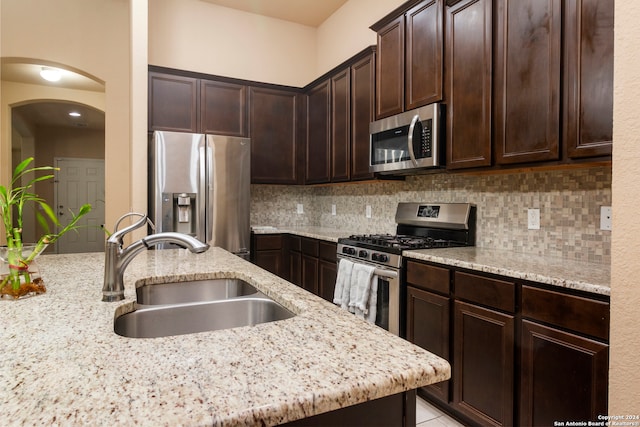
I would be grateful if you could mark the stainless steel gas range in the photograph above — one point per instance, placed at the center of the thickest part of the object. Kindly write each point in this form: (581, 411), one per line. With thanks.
(419, 226)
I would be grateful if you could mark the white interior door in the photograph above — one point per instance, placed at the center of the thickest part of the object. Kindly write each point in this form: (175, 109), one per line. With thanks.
(80, 181)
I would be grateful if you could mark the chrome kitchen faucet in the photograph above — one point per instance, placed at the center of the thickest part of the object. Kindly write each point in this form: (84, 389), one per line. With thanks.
(118, 258)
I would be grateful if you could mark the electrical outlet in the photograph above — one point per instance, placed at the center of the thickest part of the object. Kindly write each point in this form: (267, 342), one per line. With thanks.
(368, 211)
(605, 218)
(333, 210)
(300, 208)
(533, 219)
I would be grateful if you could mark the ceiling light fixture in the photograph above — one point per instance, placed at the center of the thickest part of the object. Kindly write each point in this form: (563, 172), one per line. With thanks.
(50, 74)
(75, 114)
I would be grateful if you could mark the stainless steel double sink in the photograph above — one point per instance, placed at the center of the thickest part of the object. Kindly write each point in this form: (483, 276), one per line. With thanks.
(179, 308)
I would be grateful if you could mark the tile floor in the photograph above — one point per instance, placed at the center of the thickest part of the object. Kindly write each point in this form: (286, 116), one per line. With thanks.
(430, 416)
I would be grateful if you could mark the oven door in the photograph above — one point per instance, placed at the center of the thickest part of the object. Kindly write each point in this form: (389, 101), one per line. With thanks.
(388, 305)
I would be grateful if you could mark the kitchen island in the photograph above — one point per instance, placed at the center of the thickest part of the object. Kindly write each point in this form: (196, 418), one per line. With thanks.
(63, 364)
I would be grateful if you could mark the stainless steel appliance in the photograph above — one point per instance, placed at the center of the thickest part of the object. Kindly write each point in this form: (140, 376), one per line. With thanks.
(200, 185)
(406, 142)
(419, 226)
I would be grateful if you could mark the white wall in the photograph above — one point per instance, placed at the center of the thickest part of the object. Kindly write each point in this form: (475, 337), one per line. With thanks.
(199, 36)
(347, 32)
(90, 36)
(624, 379)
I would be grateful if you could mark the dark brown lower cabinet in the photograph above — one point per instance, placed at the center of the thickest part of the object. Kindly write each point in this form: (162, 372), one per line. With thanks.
(267, 252)
(397, 410)
(564, 376)
(483, 372)
(428, 321)
(521, 354)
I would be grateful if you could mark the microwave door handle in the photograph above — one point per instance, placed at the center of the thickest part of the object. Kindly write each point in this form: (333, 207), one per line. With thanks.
(410, 139)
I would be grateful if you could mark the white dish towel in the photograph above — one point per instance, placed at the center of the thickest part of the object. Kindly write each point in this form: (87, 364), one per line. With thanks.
(362, 278)
(342, 291)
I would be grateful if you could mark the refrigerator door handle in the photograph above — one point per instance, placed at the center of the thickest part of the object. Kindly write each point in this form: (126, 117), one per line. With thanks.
(204, 220)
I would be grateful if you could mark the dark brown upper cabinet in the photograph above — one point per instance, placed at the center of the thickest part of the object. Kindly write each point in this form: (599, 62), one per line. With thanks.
(588, 78)
(409, 60)
(274, 127)
(468, 86)
(362, 107)
(223, 108)
(173, 103)
(341, 126)
(390, 69)
(318, 150)
(527, 79)
(423, 56)
(339, 110)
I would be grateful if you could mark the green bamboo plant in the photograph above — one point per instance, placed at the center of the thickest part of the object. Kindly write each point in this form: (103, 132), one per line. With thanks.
(12, 203)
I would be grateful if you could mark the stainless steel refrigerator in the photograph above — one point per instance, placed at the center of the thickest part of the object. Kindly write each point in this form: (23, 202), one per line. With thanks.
(200, 185)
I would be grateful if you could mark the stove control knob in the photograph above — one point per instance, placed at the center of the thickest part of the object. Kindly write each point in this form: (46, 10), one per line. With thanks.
(379, 257)
(348, 251)
(362, 254)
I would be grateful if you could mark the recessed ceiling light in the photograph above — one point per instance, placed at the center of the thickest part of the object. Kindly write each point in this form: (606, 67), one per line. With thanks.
(75, 114)
(50, 74)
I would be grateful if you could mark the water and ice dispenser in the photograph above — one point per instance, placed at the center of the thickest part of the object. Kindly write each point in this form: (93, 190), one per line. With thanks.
(179, 213)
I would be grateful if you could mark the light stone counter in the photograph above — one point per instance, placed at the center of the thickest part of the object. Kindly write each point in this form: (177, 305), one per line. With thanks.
(319, 233)
(62, 364)
(583, 276)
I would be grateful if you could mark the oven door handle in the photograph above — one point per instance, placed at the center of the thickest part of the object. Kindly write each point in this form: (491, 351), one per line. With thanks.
(385, 273)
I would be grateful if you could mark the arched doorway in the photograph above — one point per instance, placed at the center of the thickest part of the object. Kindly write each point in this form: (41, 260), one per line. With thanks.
(42, 127)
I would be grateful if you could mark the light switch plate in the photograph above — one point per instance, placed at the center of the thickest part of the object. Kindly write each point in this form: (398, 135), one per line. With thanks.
(368, 211)
(533, 219)
(333, 210)
(605, 218)
(299, 208)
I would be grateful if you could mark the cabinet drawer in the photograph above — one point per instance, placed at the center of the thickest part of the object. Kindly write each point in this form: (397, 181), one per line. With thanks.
(486, 291)
(428, 277)
(578, 314)
(309, 247)
(327, 251)
(294, 243)
(268, 242)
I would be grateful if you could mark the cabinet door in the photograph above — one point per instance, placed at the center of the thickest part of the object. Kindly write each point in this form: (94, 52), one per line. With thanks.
(223, 108)
(483, 364)
(327, 273)
(428, 327)
(273, 127)
(295, 268)
(270, 261)
(310, 273)
(318, 133)
(468, 86)
(588, 77)
(173, 103)
(362, 107)
(564, 376)
(423, 57)
(390, 69)
(340, 126)
(527, 78)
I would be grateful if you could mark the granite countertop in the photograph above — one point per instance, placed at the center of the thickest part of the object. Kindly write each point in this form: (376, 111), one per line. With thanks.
(583, 276)
(320, 233)
(63, 364)
(565, 273)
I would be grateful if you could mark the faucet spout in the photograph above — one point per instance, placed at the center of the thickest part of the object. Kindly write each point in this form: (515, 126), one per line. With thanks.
(117, 259)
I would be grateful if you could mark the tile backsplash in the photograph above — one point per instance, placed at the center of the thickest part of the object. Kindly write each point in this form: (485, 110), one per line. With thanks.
(569, 203)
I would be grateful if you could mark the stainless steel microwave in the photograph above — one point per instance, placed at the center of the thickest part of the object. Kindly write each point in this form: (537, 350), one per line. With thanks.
(406, 142)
